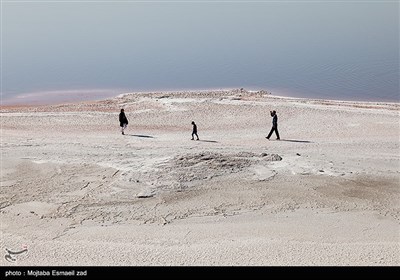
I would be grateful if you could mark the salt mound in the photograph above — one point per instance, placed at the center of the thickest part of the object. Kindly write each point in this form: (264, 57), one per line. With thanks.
(271, 157)
(212, 161)
(206, 165)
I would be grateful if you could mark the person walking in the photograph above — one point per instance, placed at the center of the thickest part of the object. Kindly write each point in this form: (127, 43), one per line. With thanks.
(194, 132)
(123, 121)
(274, 126)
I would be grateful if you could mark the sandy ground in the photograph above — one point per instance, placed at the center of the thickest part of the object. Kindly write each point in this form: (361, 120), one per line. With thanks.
(74, 191)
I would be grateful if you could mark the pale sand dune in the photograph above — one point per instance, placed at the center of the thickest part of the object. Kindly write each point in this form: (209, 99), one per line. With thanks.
(75, 191)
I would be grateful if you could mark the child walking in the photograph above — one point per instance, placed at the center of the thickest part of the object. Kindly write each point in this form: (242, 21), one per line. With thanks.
(194, 132)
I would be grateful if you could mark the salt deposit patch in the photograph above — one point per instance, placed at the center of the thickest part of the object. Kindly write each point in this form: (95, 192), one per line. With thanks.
(8, 183)
(39, 161)
(32, 207)
(263, 173)
(145, 193)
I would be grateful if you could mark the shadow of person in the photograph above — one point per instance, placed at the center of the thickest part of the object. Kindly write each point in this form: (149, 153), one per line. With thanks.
(296, 141)
(141, 136)
(209, 141)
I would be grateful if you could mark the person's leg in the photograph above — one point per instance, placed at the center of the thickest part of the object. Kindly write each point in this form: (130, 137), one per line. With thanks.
(197, 136)
(270, 133)
(192, 136)
(123, 128)
(277, 133)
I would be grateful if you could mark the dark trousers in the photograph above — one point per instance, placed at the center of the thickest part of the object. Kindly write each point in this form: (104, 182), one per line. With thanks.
(194, 133)
(274, 128)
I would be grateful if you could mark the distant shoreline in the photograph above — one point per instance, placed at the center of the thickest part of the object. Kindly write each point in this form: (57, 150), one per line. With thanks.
(68, 97)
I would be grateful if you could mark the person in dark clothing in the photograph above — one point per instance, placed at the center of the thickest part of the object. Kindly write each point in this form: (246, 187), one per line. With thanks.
(194, 132)
(123, 121)
(274, 126)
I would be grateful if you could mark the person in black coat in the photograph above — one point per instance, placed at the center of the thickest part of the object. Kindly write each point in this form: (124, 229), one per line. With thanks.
(274, 126)
(123, 121)
(194, 131)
